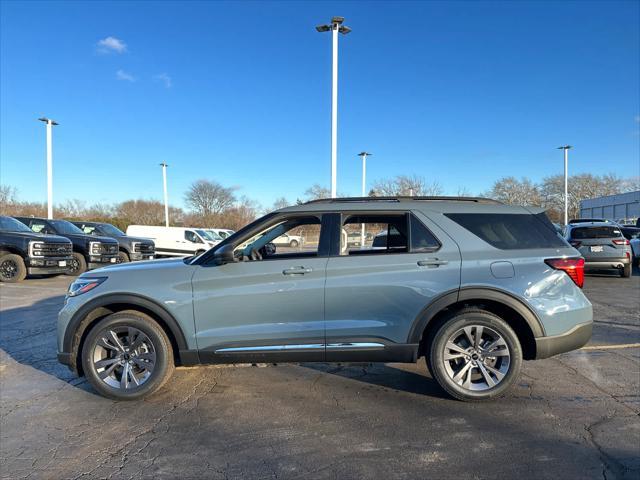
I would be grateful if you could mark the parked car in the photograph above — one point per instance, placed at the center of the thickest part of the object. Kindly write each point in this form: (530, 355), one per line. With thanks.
(221, 232)
(474, 286)
(23, 252)
(288, 240)
(89, 252)
(129, 248)
(175, 241)
(602, 245)
(633, 235)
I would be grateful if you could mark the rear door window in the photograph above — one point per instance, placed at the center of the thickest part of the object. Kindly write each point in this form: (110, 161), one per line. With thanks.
(582, 233)
(509, 231)
(422, 240)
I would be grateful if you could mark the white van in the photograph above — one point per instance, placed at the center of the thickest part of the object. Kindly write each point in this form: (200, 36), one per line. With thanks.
(221, 232)
(175, 241)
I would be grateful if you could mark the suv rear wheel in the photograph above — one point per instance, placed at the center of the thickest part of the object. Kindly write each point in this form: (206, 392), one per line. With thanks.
(12, 268)
(475, 355)
(626, 271)
(127, 356)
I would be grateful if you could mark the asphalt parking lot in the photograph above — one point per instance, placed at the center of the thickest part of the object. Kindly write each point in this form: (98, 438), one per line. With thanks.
(572, 416)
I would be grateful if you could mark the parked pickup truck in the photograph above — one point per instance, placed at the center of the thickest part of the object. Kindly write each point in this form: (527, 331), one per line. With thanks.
(129, 248)
(89, 252)
(23, 252)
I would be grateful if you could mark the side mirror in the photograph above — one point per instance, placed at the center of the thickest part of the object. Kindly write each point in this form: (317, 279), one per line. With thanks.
(224, 255)
(270, 249)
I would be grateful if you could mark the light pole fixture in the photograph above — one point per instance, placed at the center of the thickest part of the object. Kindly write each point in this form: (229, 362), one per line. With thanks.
(364, 156)
(50, 123)
(166, 197)
(566, 182)
(335, 27)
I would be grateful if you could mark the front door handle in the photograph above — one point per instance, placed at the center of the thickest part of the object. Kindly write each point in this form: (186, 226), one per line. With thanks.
(297, 271)
(432, 262)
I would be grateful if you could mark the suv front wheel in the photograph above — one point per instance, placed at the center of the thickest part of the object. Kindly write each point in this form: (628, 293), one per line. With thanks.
(475, 355)
(127, 356)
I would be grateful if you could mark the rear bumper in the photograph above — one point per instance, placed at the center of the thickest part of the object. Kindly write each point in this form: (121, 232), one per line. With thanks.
(575, 338)
(606, 263)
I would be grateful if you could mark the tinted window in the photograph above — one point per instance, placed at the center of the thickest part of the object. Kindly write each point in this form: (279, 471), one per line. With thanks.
(595, 232)
(9, 224)
(191, 237)
(421, 238)
(511, 231)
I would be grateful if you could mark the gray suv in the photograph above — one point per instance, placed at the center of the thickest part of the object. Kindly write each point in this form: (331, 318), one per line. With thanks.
(472, 285)
(602, 245)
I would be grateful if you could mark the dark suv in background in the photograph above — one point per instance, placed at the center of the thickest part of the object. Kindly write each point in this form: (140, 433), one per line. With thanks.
(129, 248)
(602, 245)
(23, 252)
(89, 252)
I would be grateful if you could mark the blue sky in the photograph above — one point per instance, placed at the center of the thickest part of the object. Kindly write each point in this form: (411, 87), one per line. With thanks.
(458, 92)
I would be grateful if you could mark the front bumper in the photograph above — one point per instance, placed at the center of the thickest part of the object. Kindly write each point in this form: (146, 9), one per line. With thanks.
(98, 261)
(575, 338)
(137, 256)
(48, 265)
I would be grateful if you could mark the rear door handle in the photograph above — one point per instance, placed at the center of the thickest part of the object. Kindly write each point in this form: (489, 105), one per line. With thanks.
(432, 262)
(297, 271)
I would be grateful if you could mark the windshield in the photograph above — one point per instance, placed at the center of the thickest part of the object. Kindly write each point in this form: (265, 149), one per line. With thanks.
(109, 229)
(9, 224)
(206, 235)
(64, 227)
(214, 235)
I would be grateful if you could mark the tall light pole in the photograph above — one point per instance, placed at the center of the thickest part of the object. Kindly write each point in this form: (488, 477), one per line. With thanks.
(166, 197)
(364, 156)
(50, 123)
(566, 182)
(335, 27)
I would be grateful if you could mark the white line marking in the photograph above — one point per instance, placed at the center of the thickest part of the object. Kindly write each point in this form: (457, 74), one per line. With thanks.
(611, 347)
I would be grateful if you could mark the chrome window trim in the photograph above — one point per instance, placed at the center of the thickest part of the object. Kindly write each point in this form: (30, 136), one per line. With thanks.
(309, 346)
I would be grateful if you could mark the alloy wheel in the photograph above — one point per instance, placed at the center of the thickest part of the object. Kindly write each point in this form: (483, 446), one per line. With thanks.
(476, 357)
(124, 357)
(8, 269)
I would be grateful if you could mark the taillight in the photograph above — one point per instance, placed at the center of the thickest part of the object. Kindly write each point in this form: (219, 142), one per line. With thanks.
(621, 241)
(575, 243)
(574, 267)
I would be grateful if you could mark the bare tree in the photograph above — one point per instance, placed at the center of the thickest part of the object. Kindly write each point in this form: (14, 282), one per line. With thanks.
(207, 197)
(8, 197)
(146, 212)
(317, 192)
(406, 185)
(464, 192)
(512, 191)
(280, 202)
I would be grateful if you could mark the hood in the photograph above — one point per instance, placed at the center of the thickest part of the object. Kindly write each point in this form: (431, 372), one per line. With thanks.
(130, 267)
(138, 239)
(90, 238)
(40, 236)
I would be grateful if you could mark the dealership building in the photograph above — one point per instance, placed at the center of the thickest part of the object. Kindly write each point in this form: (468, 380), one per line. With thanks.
(623, 207)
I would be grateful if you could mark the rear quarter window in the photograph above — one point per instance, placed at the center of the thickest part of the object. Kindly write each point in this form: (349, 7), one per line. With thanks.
(582, 233)
(511, 231)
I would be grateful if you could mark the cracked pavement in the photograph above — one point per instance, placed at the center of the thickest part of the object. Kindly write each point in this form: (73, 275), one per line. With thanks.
(572, 416)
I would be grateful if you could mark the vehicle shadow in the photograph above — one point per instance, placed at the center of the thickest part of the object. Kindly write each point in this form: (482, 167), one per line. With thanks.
(28, 334)
(399, 377)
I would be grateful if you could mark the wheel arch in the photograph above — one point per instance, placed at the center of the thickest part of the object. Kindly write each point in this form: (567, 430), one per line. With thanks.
(518, 315)
(95, 310)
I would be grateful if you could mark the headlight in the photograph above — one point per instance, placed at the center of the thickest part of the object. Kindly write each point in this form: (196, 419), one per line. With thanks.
(35, 249)
(83, 285)
(95, 248)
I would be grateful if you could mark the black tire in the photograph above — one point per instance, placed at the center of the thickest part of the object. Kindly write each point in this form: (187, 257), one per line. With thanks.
(494, 325)
(626, 271)
(77, 265)
(123, 257)
(12, 268)
(293, 243)
(160, 343)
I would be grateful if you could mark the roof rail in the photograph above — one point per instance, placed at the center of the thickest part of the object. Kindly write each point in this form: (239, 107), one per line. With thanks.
(405, 199)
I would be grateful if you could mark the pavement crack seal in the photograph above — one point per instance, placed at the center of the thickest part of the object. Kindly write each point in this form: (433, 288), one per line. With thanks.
(151, 429)
(608, 462)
